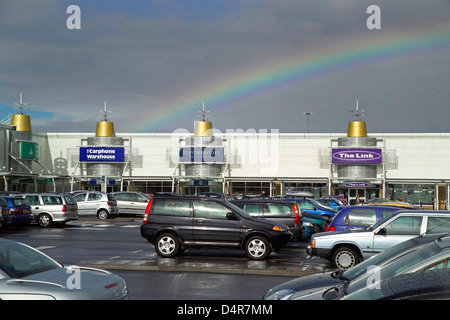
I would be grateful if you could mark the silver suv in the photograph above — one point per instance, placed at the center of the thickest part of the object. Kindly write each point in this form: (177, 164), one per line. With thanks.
(347, 248)
(101, 204)
(49, 208)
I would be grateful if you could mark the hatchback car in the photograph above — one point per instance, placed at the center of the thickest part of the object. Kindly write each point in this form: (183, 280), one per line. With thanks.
(359, 217)
(96, 203)
(20, 212)
(174, 223)
(286, 212)
(131, 203)
(28, 274)
(50, 208)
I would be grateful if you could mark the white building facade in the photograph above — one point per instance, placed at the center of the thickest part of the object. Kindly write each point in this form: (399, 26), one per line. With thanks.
(412, 167)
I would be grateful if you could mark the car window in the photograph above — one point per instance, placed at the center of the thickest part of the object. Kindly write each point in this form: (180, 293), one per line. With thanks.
(306, 205)
(251, 208)
(209, 209)
(80, 197)
(438, 224)
(69, 199)
(172, 207)
(361, 217)
(441, 265)
(94, 197)
(122, 197)
(32, 200)
(19, 202)
(52, 200)
(387, 213)
(404, 225)
(141, 198)
(276, 210)
(110, 197)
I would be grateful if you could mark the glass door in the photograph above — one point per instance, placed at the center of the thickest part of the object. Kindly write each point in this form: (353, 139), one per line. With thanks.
(356, 195)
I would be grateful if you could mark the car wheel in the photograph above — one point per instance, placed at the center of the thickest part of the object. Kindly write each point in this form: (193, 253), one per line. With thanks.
(167, 245)
(257, 248)
(44, 220)
(344, 258)
(102, 214)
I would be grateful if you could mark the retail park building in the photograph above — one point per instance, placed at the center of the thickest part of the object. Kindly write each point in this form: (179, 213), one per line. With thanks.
(414, 167)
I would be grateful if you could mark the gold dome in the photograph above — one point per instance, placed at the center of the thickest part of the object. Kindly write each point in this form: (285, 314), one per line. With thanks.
(105, 129)
(22, 122)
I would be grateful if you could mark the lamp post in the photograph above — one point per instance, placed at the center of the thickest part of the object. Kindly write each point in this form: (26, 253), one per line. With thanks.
(307, 114)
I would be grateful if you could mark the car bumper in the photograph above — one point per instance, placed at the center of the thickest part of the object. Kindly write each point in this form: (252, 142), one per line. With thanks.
(281, 240)
(319, 252)
(70, 216)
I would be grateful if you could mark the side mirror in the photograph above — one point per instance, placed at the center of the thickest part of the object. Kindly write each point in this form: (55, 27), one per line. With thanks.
(382, 232)
(231, 216)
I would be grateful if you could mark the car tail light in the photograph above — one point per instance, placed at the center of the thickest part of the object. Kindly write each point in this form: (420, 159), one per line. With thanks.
(147, 210)
(330, 228)
(109, 203)
(297, 216)
(64, 208)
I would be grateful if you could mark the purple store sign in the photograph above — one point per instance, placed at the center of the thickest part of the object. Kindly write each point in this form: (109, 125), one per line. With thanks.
(358, 156)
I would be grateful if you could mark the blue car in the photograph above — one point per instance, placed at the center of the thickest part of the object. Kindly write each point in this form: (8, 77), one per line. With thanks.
(332, 202)
(20, 212)
(358, 217)
(314, 223)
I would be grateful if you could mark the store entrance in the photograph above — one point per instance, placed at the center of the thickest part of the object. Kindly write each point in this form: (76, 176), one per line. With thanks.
(358, 195)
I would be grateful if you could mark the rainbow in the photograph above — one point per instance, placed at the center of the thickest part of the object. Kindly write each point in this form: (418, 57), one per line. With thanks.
(289, 71)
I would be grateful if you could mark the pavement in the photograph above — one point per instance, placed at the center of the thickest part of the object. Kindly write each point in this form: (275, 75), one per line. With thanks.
(290, 261)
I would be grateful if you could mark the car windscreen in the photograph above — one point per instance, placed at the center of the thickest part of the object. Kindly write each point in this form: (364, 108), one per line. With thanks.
(18, 260)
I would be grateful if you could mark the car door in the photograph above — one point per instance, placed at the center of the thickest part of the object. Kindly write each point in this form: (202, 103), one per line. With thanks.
(138, 203)
(124, 203)
(35, 204)
(93, 202)
(401, 228)
(210, 223)
(81, 203)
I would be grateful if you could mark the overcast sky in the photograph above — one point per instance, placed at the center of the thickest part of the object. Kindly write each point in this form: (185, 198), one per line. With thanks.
(256, 64)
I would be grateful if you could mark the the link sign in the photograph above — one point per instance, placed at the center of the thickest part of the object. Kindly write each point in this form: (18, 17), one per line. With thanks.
(102, 154)
(356, 156)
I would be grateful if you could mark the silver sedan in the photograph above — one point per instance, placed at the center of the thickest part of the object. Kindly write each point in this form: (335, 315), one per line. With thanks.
(28, 274)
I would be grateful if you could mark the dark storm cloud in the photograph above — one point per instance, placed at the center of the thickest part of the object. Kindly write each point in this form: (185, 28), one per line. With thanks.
(144, 59)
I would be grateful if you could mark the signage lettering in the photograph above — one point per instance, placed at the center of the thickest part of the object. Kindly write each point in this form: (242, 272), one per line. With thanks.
(102, 154)
(363, 156)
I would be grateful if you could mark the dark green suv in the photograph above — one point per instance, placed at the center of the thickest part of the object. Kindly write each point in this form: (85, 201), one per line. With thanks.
(174, 223)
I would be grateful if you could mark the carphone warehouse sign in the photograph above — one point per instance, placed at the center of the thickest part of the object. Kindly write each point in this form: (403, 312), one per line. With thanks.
(352, 156)
(102, 154)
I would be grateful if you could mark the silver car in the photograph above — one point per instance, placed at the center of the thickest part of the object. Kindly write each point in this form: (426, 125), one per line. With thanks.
(131, 203)
(28, 274)
(101, 204)
(345, 249)
(50, 208)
